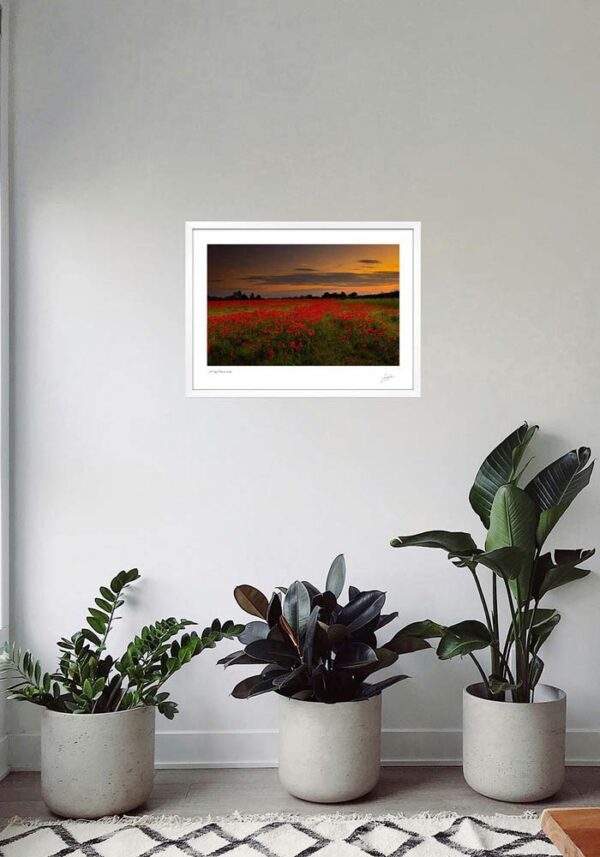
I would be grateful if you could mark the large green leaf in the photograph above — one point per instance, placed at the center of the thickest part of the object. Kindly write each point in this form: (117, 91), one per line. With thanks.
(513, 520)
(542, 630)
(296, 607)
(513, 564)
(561, 481)
(462, 639)
(427, 629)
(556, 486)
(403, 644)
(499, 467)
(507, 562)
(573, 556)
(562, 570)
(452, 542)
(336, 576)
(534, 618)
(548, 520)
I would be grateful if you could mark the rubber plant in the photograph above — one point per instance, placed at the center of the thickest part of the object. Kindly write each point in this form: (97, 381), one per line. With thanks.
(89, 681)
(518, 519)
(313, 647)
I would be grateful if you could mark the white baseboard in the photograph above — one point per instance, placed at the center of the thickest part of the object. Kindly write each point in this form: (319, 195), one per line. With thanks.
(258, 749)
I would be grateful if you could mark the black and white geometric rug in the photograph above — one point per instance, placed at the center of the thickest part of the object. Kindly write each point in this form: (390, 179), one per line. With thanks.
(425, 835)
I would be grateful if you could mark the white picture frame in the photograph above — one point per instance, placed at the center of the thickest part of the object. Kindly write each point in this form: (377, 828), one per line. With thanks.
(387, 380)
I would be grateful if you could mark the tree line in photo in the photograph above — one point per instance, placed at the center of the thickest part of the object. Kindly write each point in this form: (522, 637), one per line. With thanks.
(242, 296)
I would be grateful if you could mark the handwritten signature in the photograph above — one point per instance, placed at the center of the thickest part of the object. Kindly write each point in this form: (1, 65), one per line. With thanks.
(386, 377)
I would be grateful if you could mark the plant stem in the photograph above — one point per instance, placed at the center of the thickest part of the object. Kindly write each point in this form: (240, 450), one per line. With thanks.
(483, 601)
(507, 670)
(535, 604)
(496, 633)
(507, 647)
(481, 672)
(532, 612)
(518, 641)
(111, 617)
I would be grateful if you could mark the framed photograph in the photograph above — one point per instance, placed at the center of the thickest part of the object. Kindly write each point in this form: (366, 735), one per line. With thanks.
(303, 309)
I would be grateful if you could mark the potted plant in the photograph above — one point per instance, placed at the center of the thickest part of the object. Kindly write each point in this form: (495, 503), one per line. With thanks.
(99, 712)
(513, 726)
(317, 655)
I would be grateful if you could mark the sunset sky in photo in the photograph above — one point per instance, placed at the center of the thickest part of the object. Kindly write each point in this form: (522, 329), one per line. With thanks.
(290, 270)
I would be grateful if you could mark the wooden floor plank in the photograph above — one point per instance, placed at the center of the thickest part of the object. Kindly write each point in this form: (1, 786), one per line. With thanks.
(222, 791)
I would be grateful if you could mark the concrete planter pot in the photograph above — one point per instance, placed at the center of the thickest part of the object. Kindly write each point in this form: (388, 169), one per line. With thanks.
(97, 764)
(514, 751)
(329, 753)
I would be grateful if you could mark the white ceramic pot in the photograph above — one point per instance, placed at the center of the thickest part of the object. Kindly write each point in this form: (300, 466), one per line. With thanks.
(514, 751)
(329, 753)
(97, 764)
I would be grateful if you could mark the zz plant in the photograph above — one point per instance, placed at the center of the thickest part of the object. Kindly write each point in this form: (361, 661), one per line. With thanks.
(89, 681)
(518, 520)
(312, 647)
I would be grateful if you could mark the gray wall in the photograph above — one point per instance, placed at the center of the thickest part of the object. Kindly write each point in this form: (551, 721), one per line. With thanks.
(479, 119)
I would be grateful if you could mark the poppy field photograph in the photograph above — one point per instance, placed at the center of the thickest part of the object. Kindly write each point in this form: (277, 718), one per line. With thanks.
(309, 308)
(303, 304)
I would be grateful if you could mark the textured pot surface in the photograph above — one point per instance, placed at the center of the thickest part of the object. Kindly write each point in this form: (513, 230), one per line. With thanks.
(97, 764)
(514, 751)
(329, 753)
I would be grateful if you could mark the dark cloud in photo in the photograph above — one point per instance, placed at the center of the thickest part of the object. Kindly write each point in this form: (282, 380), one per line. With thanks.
(339, 279)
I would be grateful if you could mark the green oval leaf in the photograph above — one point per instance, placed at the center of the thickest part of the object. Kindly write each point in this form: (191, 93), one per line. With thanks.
(296, 607)
(96, 624)
(336, 577)
(463, 638)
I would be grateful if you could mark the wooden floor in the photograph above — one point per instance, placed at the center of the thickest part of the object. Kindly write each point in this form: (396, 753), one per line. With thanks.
(222, 791)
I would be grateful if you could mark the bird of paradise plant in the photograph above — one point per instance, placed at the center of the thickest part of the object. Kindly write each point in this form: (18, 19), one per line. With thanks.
(518, 521)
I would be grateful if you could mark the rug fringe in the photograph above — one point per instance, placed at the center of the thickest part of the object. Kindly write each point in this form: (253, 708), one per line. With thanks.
(167, 821)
